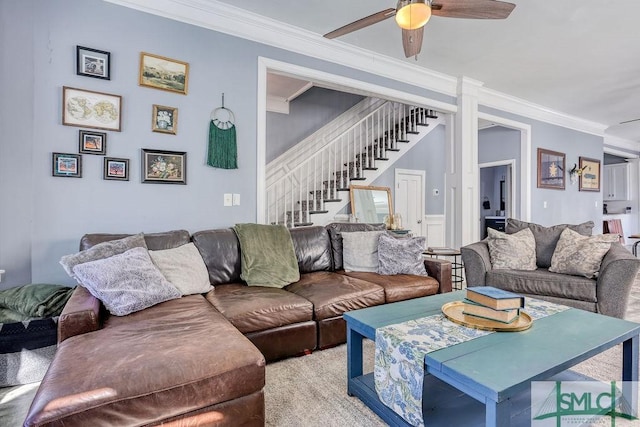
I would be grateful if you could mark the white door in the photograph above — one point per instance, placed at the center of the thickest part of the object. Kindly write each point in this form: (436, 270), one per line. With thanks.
(409, 199)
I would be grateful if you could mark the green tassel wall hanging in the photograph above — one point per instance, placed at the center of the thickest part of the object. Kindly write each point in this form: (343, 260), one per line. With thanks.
(223, 151)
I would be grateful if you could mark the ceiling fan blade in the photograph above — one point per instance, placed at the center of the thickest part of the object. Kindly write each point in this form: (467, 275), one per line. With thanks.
(472, 9)
(361, 23)
(412, 41)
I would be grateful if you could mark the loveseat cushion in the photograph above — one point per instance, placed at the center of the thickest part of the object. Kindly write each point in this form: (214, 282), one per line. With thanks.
(220, 250)
(335, 233)
(332, 294)
(90, 380)
(546, 237)
(257, 308)
(542, 282)
(399, 287)
(313, 248)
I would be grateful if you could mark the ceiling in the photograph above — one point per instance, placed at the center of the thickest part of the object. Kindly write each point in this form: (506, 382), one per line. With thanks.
(579, 57)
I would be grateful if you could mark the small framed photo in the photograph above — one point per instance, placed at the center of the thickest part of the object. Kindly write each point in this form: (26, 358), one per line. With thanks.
(67, 165)
(92, 142)
(90, 109)
(164, 119)
(116, 169)
(163, 73)
(93, 63)
(164, 167)
(589, 175)
(551, 169)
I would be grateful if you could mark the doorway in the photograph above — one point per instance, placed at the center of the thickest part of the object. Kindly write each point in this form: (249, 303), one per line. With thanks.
(497, 194)
(409, 199)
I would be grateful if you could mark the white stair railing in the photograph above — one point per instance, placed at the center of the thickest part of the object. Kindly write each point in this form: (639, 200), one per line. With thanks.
(304, 189)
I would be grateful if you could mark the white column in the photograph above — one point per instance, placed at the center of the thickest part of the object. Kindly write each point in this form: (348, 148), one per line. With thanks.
(462, 212)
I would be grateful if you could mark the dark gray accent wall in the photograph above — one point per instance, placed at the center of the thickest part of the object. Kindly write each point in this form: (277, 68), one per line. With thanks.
(44, 217)
(307, 113)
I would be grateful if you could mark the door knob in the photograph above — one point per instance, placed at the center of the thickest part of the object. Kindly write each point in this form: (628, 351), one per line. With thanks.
(419, 221)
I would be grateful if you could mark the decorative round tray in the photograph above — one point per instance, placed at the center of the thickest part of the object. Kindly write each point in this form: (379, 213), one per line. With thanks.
(453, 312)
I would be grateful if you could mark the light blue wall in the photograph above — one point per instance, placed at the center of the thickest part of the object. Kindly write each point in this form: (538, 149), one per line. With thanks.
(44, 217)
(307, 113)
(427, 155)
(569, 205)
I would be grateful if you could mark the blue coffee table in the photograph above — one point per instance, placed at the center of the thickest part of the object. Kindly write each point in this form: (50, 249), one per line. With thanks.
(490, 375)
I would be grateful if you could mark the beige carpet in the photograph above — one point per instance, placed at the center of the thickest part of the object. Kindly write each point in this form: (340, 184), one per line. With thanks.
(310, 391)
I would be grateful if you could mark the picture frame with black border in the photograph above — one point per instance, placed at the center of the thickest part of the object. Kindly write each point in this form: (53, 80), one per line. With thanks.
(116, 169)
(164, 167)
(93, 63)
(164, 119)
(90, 142)
(66, 165)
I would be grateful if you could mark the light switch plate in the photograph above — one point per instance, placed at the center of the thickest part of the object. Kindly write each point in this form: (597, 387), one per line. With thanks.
(228, 199)
(236, 200)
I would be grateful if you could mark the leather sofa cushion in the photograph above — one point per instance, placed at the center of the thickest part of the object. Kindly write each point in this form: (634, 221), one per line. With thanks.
(155, 241)
(220, 250)
(313, 249)
(256, 308)
(332, 294)
(542, 282)
(399, 287)
(335, 234)
(139, 389)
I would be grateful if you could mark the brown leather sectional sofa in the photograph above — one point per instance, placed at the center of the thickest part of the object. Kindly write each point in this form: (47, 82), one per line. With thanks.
(200, 359)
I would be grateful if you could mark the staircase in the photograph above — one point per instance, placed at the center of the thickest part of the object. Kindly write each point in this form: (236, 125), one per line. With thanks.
(317, 187)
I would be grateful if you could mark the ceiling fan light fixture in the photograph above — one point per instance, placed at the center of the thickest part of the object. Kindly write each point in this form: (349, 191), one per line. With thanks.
(413, 14)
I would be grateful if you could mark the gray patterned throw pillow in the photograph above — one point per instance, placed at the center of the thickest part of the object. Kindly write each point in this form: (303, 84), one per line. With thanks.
(101, 251)
(580, 255)
(127, 282)
(515, 251)
(401, 255)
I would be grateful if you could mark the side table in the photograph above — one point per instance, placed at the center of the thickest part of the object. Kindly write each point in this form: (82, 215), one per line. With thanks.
(634, 248)
(456, 264)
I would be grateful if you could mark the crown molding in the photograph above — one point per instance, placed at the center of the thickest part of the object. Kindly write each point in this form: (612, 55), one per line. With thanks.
(511, 104)
(241, 23)
(228, 19)
(621, 143)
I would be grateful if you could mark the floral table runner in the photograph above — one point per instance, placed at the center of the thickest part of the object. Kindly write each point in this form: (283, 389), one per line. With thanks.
(401, 348)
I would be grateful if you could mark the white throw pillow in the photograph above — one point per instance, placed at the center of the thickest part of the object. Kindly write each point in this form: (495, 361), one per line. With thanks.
(184, 268)
(515, 251)
(580, 255)
(127, 282)
(360, 250)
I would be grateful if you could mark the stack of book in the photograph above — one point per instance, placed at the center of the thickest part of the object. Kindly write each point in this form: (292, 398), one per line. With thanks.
(493, 304)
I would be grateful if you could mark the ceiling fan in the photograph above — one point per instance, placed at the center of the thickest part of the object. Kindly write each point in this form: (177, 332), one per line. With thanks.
(412, 15)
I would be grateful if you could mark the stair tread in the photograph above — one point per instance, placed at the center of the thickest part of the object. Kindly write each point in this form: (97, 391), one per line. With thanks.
(332, 200)
(369, 169)
(318, 212)
(393, 149)
(357, 179)
(381, 158)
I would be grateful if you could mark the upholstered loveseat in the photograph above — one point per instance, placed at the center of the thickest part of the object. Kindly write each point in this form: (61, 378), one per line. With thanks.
(199, 359)
(607, 293)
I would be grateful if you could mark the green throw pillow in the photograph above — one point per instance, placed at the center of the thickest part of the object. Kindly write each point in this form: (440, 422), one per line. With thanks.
(267, 255)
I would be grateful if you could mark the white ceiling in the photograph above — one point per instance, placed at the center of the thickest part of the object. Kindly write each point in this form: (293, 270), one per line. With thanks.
(580, 57)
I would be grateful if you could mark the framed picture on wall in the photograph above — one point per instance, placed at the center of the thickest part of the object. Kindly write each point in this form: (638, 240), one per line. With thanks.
(93, 63)
(163, 73)
(92, 142)
(551, 169)
(67, 165)
(116, 169)
(590, 174)
(164, 119)
(90, 109)
(164, 167)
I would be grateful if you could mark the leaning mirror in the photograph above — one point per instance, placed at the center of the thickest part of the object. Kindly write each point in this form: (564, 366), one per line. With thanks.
(370, 204)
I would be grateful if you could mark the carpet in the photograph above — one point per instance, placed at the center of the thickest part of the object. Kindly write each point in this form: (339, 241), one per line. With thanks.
(311, 390)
